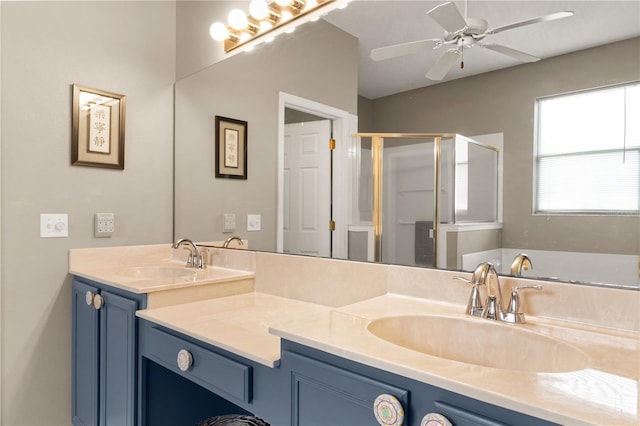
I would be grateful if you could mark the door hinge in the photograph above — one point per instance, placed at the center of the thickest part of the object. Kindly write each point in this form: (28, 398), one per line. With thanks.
(332, 225)
(332, 144)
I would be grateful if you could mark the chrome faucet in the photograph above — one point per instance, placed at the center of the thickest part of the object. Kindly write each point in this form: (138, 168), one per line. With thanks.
(228, 241)
(485, 274)
(195, 259)
(520, 262)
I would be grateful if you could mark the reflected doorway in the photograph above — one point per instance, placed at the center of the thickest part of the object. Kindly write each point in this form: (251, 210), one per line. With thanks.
(336, 171)
(307, 184)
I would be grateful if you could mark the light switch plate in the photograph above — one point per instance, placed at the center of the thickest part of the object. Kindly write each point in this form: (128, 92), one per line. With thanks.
(103, 225)
(54, 225)
(253, 222)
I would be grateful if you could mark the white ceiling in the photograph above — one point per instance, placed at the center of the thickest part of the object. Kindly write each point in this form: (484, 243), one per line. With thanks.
(382, 23)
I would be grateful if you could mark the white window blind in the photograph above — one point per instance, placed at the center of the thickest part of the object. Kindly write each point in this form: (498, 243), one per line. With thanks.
(587, 152)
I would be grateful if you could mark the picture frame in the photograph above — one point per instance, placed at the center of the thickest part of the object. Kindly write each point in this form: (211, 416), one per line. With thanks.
(231, 148)
(98, 128)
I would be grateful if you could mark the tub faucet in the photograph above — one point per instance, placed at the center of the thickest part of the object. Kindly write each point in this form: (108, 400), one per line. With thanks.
(520, 262)
(195, 259)
(228, 241)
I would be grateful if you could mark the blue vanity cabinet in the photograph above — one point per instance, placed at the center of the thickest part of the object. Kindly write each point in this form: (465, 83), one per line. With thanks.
(104, 354)
(184, 380)
(334, 391)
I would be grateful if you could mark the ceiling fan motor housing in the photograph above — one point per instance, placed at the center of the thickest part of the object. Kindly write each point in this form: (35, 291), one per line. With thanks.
(475, 27)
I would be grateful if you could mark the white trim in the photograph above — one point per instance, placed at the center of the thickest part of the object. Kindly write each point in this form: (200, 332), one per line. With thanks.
(343, 129)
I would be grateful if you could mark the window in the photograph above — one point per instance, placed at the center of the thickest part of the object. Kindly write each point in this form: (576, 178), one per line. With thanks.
(587, 152)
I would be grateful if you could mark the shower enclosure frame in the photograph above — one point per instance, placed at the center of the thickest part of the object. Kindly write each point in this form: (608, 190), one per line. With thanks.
(377, 146)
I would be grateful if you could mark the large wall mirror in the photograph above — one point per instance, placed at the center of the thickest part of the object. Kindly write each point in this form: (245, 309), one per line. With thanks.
(326, 63)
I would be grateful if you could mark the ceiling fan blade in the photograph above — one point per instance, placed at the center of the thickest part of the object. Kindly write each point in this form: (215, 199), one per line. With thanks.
(515, 54)
(546, 18)
(443, 65)
(402, 49)
(448, 17)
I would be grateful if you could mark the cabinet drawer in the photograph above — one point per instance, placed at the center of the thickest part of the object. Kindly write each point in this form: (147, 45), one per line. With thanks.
(214, 371)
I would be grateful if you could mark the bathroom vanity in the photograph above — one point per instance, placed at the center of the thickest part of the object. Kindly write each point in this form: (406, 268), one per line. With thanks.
(259, 345)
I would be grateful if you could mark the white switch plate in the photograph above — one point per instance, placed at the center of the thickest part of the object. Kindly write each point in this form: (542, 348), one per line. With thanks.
(54, 225)
(253, 222)
(229, 222)
(103, 225)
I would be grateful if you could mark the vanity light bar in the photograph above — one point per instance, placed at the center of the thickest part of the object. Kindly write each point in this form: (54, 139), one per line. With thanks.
(280, 16)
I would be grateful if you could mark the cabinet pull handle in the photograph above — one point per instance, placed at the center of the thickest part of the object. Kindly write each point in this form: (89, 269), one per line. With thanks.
(388, 410)
(88, 297)
(98, 301)
(435, 419)
(185, 360)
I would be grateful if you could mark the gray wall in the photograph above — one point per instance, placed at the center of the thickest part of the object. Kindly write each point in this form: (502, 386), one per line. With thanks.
(125, 47)
(246, 87)
(503, 101)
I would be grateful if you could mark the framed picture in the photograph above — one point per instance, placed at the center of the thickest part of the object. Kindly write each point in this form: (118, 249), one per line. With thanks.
(98, 119)
(231, 148)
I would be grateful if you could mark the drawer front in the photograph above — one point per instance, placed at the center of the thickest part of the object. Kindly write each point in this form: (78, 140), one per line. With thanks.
(220, 374)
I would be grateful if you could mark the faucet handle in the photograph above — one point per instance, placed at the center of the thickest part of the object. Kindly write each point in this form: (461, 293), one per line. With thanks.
(474, 304)
(514, 313)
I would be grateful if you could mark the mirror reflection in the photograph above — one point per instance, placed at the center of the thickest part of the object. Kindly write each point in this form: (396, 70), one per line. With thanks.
(316, 71)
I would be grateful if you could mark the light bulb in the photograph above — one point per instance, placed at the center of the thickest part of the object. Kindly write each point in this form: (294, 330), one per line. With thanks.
(259, 9)
(218, 31)
(238, 19)
(284, 2)
(310, 4)
(286, 15)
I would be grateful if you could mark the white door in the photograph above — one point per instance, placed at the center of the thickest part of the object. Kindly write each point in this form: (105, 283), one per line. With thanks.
(307, 185)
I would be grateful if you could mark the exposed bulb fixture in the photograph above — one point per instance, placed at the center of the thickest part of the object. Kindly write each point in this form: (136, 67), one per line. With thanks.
(258, 9)
(219, 31)
(238, 19)
(268, 18)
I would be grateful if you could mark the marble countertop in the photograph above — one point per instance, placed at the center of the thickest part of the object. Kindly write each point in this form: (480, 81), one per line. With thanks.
(605, 391)
(239, 324)
(146, 269)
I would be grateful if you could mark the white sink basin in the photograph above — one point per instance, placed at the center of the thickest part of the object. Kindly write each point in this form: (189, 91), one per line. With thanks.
(480, 342)
(158, 273)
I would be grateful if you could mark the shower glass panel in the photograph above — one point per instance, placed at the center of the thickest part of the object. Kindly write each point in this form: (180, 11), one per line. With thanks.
(410, 186)
(408, 201)
(476, 182)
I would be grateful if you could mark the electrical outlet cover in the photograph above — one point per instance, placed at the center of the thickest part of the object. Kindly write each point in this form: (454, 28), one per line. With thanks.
(229, 222)
(104, 225)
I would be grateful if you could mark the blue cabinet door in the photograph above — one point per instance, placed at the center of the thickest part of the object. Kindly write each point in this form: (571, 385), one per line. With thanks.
(325, 395)
(104, 354)
(85, 357)
(118, 360)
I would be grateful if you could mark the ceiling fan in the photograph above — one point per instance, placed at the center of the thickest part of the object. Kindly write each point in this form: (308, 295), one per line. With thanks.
(461, 33)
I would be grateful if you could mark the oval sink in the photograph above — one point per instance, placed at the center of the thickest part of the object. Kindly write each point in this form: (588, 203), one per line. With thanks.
(158, 273)
(480, 342)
